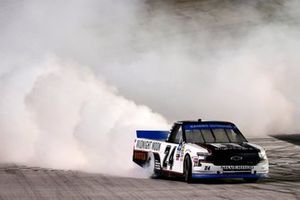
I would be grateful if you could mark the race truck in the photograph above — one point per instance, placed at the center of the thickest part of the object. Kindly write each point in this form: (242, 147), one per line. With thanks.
(200, 150)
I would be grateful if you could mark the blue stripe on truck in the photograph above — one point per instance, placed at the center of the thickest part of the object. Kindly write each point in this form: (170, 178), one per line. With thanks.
(229, 176)
(152, 135)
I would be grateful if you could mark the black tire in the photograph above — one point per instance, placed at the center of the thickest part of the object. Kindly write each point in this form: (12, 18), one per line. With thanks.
(187, 173)
(251, 180)
(154, 173)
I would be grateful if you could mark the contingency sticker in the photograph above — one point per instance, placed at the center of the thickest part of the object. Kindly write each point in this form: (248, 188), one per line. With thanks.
(148, 145)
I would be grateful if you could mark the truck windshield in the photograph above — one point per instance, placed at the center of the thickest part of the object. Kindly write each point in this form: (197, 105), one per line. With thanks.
(212, 134)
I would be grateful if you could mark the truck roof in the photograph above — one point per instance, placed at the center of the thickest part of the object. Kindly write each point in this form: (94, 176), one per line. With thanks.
(202, 122)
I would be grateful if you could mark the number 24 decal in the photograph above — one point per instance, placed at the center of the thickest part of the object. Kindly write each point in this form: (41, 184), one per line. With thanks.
(171, 157)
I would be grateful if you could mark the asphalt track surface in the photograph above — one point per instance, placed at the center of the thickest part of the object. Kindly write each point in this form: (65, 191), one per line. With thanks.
(19, 182)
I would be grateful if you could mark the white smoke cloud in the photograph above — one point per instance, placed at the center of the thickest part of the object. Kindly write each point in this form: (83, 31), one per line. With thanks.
(226, 60)
(61, 116)
(79, 109)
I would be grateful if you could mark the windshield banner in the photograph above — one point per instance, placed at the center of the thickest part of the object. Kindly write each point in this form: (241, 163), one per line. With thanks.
(207, 126)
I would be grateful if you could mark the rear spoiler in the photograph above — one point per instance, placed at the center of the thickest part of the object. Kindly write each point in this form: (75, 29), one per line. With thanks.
(152, 135)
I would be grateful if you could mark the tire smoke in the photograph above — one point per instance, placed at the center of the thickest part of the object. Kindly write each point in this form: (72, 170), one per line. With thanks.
(67, 118)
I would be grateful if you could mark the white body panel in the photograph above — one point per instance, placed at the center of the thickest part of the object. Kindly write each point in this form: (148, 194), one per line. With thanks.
(172, 158)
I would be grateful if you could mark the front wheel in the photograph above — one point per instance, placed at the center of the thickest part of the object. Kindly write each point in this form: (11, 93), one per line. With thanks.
(187, 169)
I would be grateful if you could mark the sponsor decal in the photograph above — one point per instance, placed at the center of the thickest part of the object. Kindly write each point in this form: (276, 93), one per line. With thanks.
(148, 145)
(230, 146)
(234, 167)
(236, 158)
(195, 160)
(179, 147)
(206, 126)
(177, 156)
(156, 146)
(180, 152)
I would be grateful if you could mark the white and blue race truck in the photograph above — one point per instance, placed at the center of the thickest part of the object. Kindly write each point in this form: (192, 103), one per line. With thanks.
(200, 149)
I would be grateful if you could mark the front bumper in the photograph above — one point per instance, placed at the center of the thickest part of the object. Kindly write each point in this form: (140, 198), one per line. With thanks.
(208, 170)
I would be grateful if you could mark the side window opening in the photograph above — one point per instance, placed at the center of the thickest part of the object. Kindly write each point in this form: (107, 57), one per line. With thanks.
(176, 136)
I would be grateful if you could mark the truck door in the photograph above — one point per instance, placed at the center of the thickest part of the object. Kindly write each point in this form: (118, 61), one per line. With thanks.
(174, 151)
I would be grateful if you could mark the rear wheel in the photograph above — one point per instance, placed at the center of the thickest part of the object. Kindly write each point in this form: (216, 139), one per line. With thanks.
(154, 173)
(187, 169)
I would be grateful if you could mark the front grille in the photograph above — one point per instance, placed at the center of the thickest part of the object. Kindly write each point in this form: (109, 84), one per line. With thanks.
(233, 158)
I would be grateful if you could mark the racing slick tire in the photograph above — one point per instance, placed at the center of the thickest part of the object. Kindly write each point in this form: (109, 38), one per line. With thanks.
(154, 173)
(187, 173)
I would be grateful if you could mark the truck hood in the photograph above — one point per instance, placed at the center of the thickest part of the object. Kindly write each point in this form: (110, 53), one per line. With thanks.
(232, 153)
